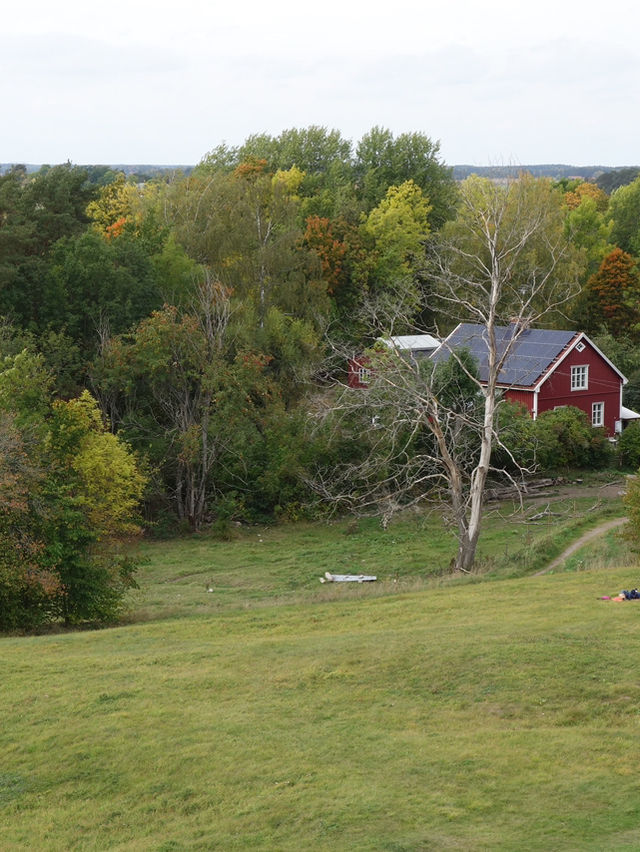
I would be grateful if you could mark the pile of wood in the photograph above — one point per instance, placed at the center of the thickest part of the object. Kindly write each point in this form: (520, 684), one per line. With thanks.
(532, 488)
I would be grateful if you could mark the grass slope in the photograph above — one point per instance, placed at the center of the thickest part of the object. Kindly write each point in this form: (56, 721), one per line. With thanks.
(284, 563)
(498, 715)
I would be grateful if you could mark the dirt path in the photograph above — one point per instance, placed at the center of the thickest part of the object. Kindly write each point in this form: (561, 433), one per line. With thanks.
(609, 490)
(594, 533)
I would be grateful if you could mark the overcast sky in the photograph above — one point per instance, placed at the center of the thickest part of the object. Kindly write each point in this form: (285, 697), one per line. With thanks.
(131, 81)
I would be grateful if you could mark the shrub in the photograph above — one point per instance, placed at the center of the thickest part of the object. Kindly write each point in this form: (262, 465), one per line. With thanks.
(629, 447)
(557, 440)
(517, 436)
(564, 438)
(632, 505)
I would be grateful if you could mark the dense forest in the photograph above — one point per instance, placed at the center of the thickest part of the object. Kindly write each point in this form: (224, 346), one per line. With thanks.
(164, 336)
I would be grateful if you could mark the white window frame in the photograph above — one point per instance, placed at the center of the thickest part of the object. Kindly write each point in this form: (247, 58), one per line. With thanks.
(363, 375)
(597, 414)
(580, 377)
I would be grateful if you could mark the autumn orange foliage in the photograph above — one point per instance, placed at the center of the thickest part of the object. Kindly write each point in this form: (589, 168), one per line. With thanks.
(587, 190)
(251, 168)
(320, 236)
(116, 229)
(616, 288)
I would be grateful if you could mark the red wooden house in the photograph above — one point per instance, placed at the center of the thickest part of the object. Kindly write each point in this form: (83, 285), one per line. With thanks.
(548, 369)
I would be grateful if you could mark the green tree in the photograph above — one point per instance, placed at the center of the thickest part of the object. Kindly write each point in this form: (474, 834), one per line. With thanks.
(70, 491)
(322, 155)
(612, 180)
(55, 201)
(510, 243)
(624, 209)
(382, 161)
(244, 227)
(590, 231)
(97, 284)
(35, 214)
(172, 386)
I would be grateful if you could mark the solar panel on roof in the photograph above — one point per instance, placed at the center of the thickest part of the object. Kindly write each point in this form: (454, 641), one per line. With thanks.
(533, 352)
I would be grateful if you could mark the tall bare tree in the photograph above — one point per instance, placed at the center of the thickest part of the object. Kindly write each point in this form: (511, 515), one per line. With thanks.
(429, 428)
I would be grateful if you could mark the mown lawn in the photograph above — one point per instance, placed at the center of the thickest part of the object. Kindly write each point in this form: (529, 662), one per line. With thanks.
(495, 715)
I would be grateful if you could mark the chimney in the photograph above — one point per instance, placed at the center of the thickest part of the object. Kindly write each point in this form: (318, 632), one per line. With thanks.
(518, 324)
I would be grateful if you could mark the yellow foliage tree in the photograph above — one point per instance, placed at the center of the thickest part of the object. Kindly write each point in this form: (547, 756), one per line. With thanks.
(289, 180)
(118, 203)
(112, 483)
(398, 228)
(587, 190)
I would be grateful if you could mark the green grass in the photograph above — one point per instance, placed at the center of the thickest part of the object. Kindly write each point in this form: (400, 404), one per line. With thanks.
(283, 564)
(607, 551)
(277, 714)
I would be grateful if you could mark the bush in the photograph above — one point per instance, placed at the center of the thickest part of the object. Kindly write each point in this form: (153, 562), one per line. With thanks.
(629, 447)
(557, 440)
(632, 504)
(517, 435)
(565, 439)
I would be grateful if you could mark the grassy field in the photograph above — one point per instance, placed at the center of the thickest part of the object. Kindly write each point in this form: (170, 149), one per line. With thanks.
(275, 713)
(283, 564)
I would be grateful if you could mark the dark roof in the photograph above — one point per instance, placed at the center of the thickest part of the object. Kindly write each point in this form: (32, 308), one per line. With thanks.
(533, 352)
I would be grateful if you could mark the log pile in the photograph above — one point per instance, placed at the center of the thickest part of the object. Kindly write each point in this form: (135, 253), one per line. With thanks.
(532, 488)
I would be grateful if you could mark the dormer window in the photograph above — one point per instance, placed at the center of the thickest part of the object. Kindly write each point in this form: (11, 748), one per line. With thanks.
(580, 377)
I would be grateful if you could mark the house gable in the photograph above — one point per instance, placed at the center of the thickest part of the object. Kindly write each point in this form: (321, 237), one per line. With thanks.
(579, 345)
(586, 379)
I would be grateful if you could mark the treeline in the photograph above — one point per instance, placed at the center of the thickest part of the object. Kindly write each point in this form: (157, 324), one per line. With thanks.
(606, 177)
(186, 321)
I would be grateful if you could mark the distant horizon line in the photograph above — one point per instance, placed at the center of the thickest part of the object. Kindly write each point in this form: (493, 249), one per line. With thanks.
(458, 171)
(192, 165)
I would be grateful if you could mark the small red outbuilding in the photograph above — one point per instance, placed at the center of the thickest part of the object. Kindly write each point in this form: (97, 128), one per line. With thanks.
(414, 346)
